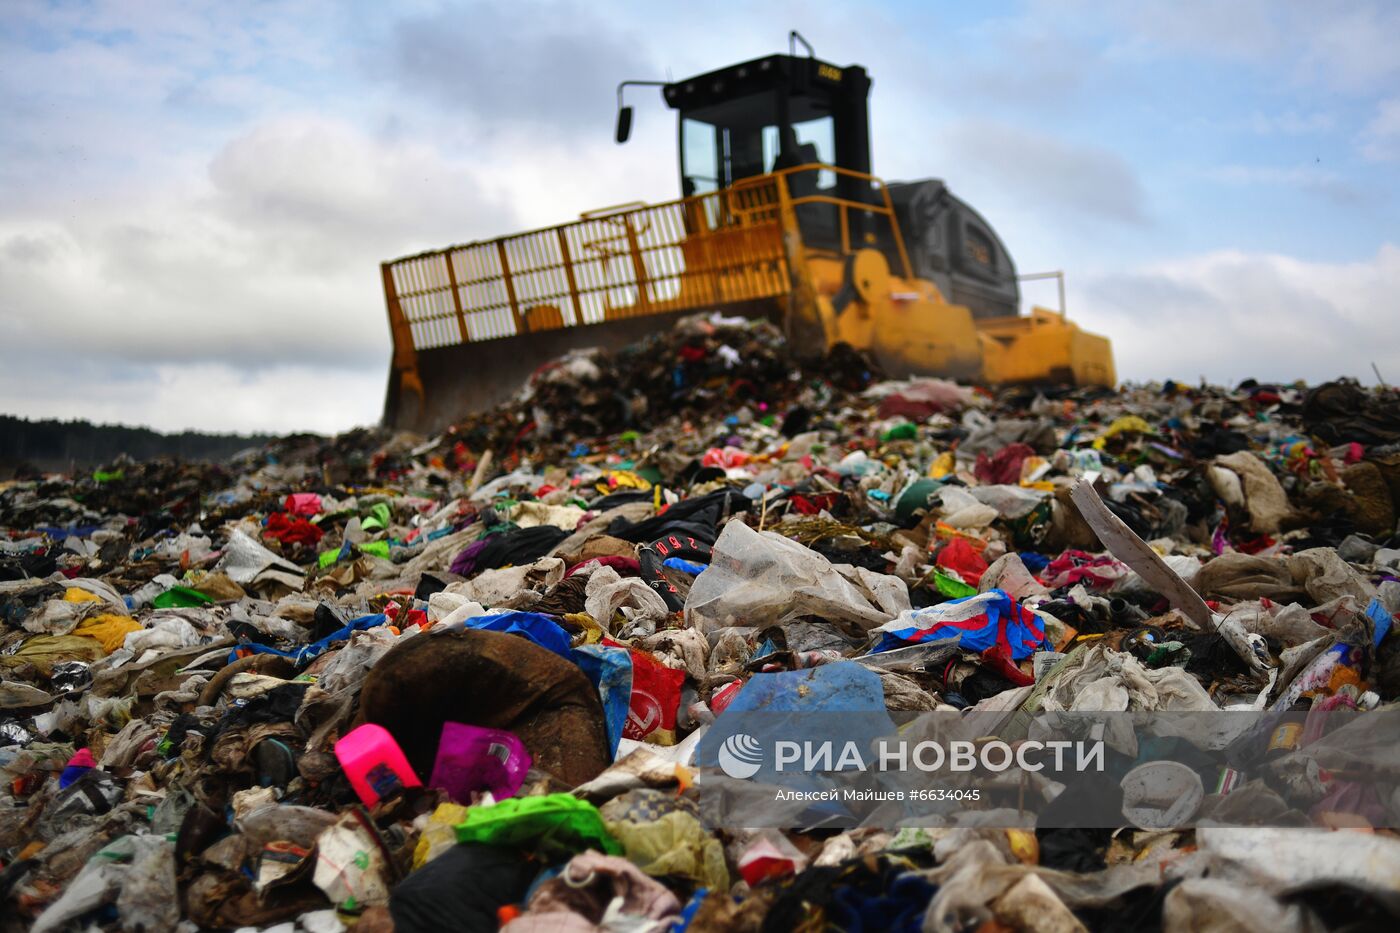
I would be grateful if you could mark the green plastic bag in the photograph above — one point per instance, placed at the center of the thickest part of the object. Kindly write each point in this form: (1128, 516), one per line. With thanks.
(378, 518)
(916, 497)
(560, 821)
(180, 597)
(901, 432)
(953, 589)
(375, 548)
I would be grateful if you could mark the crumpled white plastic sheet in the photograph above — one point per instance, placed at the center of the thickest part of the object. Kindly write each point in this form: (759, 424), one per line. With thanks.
(761, 578)
(245, 559)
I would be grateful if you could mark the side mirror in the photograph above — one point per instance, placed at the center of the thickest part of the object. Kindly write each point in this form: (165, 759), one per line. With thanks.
(624, 124)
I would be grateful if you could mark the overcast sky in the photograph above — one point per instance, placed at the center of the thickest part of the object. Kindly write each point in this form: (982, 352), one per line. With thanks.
(195, 198)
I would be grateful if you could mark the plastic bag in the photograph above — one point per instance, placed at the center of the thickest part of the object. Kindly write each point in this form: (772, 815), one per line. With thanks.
(761, 578)
(959, 556)
(244, 559)
(675, 845)
(656, 695)
(553, 821)
(472, 760)
(990, 619)
(610, 670)
(961, 509)
(1011, 502)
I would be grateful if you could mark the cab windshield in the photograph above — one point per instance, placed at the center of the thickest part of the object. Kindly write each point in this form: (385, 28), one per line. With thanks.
(748, 136)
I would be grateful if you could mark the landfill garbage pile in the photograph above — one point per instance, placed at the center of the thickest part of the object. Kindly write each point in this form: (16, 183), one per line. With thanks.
(413, 684)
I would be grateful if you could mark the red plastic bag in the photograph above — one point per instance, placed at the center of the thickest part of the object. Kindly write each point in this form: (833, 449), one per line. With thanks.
(291, 529)
(726, 457)
(305, 504)
(656, 695)
(1004, 468)
(1095, 571)
(721, 698)
(960, 556)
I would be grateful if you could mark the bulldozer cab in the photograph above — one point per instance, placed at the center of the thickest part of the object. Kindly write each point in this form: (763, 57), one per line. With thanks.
(801, 118)
(770, 114)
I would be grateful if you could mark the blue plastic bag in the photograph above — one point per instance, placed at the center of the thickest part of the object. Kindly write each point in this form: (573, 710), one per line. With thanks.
(977, 622)
(540, 629)
(610, 670)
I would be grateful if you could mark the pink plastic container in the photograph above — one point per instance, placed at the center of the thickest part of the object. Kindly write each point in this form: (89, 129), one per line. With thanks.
(471, 759)
(305, 504)
(374, 763)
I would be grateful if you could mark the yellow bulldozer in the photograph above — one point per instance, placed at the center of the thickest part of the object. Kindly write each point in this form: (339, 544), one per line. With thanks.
(779, 217)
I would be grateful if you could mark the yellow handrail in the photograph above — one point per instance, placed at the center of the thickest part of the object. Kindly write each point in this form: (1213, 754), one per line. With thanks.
(614, 209)
(708, 249)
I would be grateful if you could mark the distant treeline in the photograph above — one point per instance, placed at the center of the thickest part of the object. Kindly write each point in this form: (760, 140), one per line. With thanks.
(61, 445)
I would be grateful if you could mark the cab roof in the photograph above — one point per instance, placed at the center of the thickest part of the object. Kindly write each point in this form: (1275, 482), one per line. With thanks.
(809, 82)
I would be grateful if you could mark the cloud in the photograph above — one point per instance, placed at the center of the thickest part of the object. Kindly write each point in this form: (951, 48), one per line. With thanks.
(1380, 140)
(273, 261)
(1052, 69)
(1352, 47)
(1345, 46)
(1290, 123)
(1231, 315)
(311, 178)
(550, 64)
(212, 397)
(30, 250)
(1318, 181)
(1089, 182)
(79, 75)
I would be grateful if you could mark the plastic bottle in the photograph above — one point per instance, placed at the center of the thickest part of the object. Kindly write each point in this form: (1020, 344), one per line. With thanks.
(374, 763)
